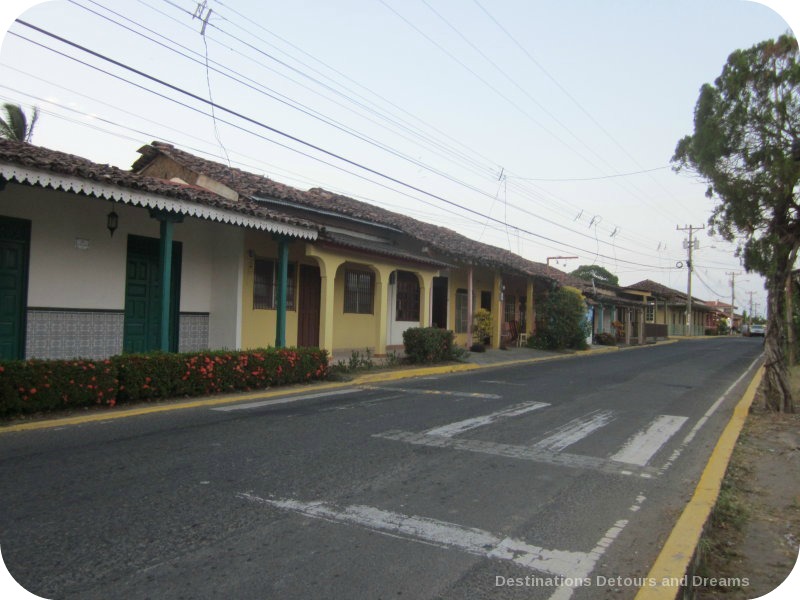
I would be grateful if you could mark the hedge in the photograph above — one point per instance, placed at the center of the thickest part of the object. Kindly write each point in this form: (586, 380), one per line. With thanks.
(428, 344)
(36, 385)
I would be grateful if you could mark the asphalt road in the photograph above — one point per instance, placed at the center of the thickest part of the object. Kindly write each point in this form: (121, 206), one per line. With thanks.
(555, 480)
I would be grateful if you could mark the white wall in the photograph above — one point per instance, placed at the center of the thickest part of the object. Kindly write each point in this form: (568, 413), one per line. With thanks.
(63, 276)
(395, 328)
(225, 323)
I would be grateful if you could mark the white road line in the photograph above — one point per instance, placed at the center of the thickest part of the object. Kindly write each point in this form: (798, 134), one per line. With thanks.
(640, 448)
(702, 420)
(250, 405)
(432, 392)
(565, 592)
(562, 459)
(458, 427)
(575, 430)
(445, 535)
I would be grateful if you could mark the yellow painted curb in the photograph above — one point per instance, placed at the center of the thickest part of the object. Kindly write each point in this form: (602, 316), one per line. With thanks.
(409, 373)
(672, 563)
(109, 415)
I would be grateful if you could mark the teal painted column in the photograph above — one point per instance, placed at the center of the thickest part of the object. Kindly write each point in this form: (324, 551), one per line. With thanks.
(600, 328)
(282, 281)
(166, 221)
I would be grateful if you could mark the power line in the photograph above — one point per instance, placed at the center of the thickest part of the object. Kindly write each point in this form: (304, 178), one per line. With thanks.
(563, 89)
(594, 178)
(525, 192)
(212, 104)
(281, 133)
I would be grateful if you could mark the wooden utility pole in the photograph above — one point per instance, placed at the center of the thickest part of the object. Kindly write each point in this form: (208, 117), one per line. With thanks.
(750, 314)
(691, 229)
(733, 297)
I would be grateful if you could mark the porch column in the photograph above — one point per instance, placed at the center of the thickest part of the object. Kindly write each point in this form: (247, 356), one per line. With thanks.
(166, 221)
(425, 298)
(470, 312)
(497, 314)
(381, 307)
(282, 281)
(627, 326)
(641, 326)
(328, 265)
(599, 320)
(529, 307)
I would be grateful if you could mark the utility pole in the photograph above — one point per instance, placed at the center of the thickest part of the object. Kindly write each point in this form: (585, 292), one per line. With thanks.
(733, 297)
(690, 246)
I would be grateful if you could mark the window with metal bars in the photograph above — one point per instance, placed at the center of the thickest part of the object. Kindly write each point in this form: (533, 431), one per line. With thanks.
(407, 297)
(510, 308)
(265, 285)
(359, 291)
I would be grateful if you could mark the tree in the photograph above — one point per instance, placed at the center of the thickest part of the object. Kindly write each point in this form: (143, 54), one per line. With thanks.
(15, 126)
(564, 323)
(598, 273)
(745, 144)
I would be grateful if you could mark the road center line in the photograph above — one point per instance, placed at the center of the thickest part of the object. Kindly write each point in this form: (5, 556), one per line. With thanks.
(443, 534)
(458, 427)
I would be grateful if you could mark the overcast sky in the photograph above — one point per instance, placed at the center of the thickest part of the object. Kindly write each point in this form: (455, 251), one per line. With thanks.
(542, 127)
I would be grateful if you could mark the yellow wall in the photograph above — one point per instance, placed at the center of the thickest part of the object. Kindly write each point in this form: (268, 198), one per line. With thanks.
(482, 280)
(259, 325)
(354, 331)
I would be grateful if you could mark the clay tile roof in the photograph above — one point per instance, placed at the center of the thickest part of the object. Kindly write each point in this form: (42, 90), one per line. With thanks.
(61, 163)
(649, 285)
(446, 241)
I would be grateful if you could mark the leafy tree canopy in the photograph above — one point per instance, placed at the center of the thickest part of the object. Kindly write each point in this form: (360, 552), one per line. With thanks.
(746, 126)
(745, 145)
(14, 124)
(598, 273)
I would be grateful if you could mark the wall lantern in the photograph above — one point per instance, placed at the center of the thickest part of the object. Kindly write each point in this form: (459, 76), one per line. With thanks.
(112, 222)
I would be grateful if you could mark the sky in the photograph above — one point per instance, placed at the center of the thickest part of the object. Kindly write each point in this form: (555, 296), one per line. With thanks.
(545, 128)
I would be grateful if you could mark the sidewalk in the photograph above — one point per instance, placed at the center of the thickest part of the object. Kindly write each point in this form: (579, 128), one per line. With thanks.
(475, 360)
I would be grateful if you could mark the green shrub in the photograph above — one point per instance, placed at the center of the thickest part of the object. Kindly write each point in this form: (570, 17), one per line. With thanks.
(167, 375)
(36, 385)
(428, 344)
(29, 386)
(482, 326)
(605, 339)
(564, 323)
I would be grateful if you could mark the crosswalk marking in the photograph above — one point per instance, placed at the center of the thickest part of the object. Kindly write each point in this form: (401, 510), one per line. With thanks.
(575, 430)
(563, 459)
(641, 447)
(458, 427)
(445, 535)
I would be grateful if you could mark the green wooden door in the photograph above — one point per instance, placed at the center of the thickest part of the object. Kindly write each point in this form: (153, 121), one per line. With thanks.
(15, 237)
(142, 330)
